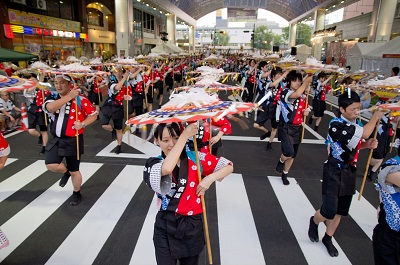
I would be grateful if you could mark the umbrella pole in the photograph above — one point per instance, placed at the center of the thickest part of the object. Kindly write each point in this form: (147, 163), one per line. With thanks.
(368, 161)
(45, 115)
(304, 118)
(203, 205)
(77, 134)
(394, 137)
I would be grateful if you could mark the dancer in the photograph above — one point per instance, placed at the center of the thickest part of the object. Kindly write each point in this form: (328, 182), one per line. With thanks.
(178, 229)
(66, 124)
(319, 105)
(386, 236)
(293, 107)
(339, 175)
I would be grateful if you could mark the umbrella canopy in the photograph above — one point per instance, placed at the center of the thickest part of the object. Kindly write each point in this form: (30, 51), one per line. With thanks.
(11, 84)
(7, 55)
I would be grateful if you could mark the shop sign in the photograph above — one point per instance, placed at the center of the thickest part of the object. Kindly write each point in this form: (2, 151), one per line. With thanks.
(39, 21)
(101, 36)
(390, 55)
(11, 29)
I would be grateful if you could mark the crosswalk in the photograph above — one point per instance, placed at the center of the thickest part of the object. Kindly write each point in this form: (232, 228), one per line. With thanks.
(251, 221)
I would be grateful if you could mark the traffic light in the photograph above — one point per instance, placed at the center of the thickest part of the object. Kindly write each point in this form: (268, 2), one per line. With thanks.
(252, 36)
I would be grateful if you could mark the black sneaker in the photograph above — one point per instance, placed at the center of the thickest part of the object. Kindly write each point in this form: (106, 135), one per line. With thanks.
(269, 146)
(316, 128)
(310, 120)
(313, 230)
(40, 141)
(118, 149)
(114, 135)
(265, 135)
(42, 152)
(372, 176)
(64, 179)
(327, 240)
(279, 167)
(285, 181)
(76, 199)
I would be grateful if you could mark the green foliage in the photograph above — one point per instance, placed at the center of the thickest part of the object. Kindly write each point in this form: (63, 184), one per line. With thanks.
(285, 34)
(263, 38)
(303, 35)
(221, 39)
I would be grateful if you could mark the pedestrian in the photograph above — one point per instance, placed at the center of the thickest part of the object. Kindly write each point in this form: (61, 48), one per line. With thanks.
(345, 139)
(386, 236)
(4, 151)
(178, 229)
(66, 123)
(292, 108)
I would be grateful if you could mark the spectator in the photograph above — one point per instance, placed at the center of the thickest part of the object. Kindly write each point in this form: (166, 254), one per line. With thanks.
(365, 97)
(11, 113)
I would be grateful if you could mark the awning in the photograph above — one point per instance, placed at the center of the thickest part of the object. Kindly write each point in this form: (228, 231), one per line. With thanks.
(7, 55)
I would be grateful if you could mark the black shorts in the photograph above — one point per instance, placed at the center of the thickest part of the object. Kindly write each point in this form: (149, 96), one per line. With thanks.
(178, 78)
(118, 123)
(386, 245)
(58, 148)
(332, 205)
(289, 133)
(160, 87)
(95, 98)
(37, 119)
(289, 150)
(319, 107)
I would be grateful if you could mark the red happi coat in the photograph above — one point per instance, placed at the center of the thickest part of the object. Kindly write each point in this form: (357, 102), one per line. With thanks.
(39, 99)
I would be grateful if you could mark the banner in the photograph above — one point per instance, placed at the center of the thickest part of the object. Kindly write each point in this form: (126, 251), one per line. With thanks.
(253, 4)
(39, 21)
(239, 14)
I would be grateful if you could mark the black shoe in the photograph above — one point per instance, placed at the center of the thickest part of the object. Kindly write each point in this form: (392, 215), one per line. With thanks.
(269, 146)
(285, 181)
(265, 135)
(113, 135)
(76, 199)
(118, 149)
(372, 176)
(42, 152)
(279, 167)
(313, 230)
(40, 141)
(310, 120)
(64, 179)
(327, 240)
(316, 128)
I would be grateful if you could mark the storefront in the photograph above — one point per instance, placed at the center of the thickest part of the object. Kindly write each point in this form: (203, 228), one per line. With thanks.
(46, 36)
(102, 43)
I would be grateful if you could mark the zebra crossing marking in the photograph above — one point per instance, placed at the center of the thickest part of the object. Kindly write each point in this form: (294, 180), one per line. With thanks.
(10, 160)
(106, 212)
(144, 250)
(364, 214)
(148, 149)
(298, 209)
(230, 219)
(18, 228)
(20, 179)
(257, 139)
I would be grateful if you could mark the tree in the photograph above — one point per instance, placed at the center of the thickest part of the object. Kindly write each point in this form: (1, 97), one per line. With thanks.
(221, 39)
(285, 34)
(303, 35)
(263, 37)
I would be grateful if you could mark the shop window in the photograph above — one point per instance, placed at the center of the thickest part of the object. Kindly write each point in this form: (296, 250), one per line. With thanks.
(66, 9)
(95, 17)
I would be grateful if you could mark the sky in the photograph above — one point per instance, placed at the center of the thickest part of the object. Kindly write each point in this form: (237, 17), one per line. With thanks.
(209, 20)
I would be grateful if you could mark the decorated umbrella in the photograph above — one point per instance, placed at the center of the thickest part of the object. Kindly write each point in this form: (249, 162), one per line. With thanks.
(191, 106)
(13, 84)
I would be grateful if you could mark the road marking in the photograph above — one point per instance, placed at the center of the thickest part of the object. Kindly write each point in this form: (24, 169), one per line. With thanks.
(364, 214)
(238, 237)
(257, 139)
(20, 179)
(144, 250)
(21, 225)
(106, 211)
(298, 210)
(10, 160)
(148, 149)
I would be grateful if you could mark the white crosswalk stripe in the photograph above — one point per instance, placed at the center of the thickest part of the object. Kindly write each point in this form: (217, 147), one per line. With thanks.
(237, 230)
